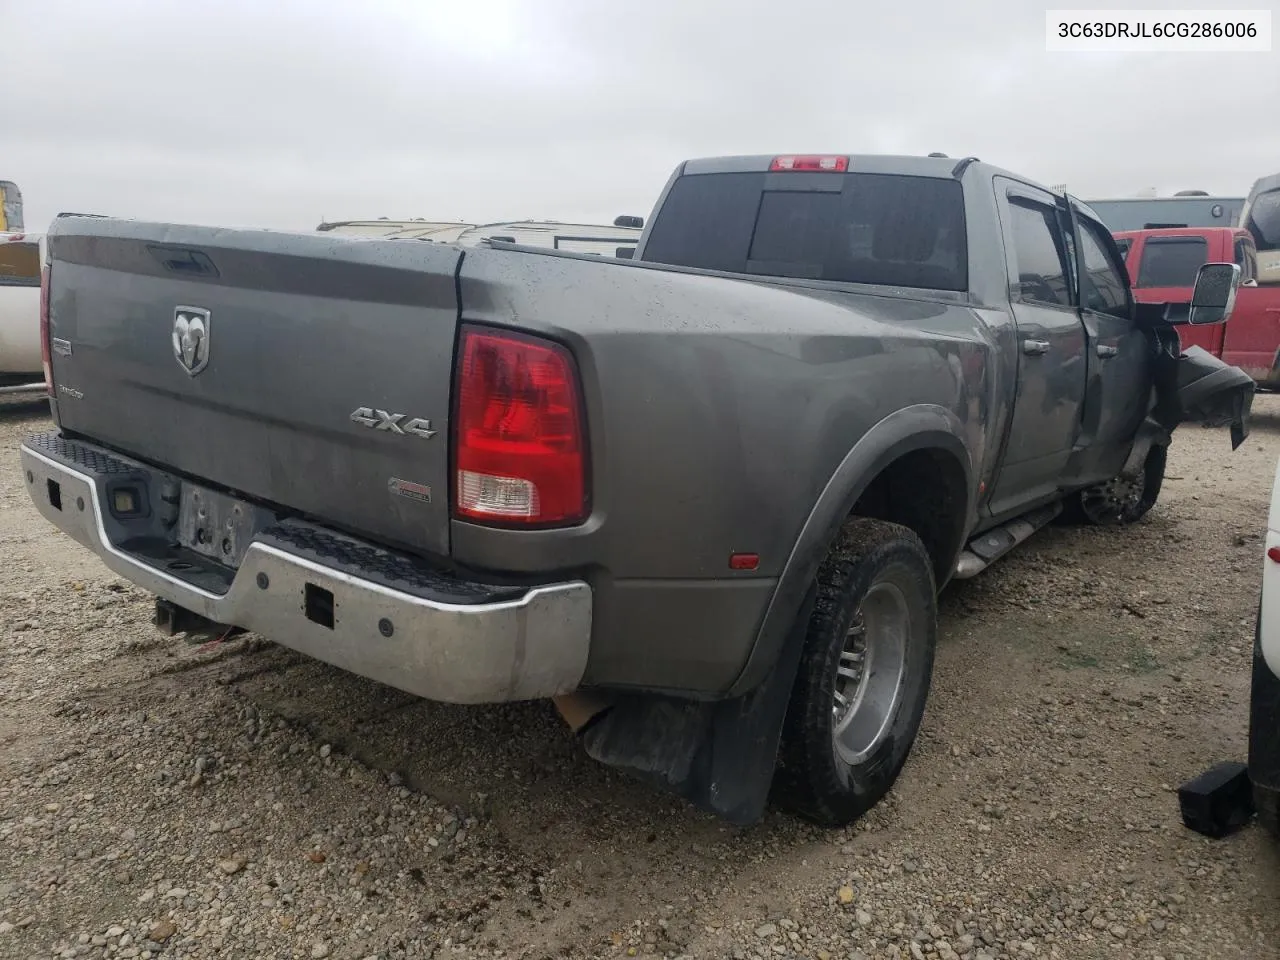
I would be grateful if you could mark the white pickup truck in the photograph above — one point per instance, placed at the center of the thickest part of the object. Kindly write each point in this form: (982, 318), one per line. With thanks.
(21, 259)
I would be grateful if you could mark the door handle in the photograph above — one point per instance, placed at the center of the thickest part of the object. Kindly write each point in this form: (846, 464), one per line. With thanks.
(1035, 348)
(1106, 352)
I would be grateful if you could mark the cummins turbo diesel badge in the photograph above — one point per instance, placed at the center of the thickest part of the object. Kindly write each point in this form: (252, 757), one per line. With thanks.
(406, 488)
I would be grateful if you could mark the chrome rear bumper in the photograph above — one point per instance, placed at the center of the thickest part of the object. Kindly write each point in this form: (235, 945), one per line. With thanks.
(530, 644)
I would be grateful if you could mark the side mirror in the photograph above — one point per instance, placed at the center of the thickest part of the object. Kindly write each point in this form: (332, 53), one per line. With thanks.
(625, 253)
(1214, 296)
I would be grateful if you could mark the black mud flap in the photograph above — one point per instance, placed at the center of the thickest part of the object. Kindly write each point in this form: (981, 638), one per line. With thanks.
(1214, 393)
(719, 756)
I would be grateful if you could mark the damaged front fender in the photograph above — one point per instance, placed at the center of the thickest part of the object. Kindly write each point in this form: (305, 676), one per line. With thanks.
(1214, 393)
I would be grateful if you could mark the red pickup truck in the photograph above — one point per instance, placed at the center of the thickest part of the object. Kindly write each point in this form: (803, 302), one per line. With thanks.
(1162, 268)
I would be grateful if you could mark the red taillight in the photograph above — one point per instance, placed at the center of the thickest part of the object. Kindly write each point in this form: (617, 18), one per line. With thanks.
(519, 449)
(814, 164)
(46, 354)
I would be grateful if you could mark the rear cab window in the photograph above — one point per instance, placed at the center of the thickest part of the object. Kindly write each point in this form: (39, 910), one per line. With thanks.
(1246, 258)
(887, 229)
(1171, 261)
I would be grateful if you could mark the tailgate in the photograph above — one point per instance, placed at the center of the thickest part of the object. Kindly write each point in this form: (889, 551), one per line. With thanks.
(310, 372)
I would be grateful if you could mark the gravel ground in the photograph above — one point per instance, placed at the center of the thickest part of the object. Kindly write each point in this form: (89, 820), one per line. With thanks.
(161, 799)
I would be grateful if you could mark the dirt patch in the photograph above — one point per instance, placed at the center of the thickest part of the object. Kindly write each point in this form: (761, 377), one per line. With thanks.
(168, 800)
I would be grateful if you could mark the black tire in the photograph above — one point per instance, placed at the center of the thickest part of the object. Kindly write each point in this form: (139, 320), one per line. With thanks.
(1120, 502)
(815, 780)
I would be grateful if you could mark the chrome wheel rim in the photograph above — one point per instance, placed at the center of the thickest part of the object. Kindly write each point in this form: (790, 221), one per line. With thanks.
(869, 673)
(1110, 502)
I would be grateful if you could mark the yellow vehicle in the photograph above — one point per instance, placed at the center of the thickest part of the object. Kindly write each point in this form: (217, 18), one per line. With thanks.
(10, 207)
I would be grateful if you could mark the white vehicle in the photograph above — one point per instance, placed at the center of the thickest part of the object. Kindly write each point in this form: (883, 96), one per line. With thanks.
(21, 259)
(605, 241)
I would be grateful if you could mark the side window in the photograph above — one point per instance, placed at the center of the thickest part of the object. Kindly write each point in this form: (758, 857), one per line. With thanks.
(20, 264)
(1039, 254)
(1104, 289)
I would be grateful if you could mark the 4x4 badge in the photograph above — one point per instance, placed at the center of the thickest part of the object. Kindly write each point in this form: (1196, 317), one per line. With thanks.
(381, 420)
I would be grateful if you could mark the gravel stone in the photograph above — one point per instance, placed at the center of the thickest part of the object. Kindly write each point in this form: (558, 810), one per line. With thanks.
(162, 931)
(1036, 818)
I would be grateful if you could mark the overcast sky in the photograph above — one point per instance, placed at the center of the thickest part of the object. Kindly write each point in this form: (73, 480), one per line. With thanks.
(279, 113)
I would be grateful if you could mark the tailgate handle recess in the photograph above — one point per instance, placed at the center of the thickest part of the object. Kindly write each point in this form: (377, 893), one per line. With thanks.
(184, 260)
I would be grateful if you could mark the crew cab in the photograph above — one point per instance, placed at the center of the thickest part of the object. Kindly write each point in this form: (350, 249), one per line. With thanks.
(1162, 267)
(703, 498)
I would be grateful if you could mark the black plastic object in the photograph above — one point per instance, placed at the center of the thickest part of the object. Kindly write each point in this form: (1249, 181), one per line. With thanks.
(1214, 393)
(1219, 801)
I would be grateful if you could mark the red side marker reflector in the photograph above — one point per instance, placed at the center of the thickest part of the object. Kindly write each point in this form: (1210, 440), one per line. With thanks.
(744, 561)
(1274, 554)
(810, 164)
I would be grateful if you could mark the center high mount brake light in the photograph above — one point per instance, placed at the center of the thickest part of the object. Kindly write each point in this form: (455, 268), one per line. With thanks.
(809, 164)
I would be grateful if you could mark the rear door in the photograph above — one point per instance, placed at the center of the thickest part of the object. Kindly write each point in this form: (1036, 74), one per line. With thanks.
(1052, 364)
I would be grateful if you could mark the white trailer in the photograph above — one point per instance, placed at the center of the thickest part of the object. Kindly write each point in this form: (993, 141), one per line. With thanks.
(21, 259)
(590, 238)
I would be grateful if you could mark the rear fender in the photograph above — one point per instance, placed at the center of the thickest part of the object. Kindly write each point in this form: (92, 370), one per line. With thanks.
(721, 755)
(918, 427)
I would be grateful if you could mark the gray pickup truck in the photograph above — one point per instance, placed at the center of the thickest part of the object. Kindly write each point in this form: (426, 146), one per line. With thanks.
(703, 499)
